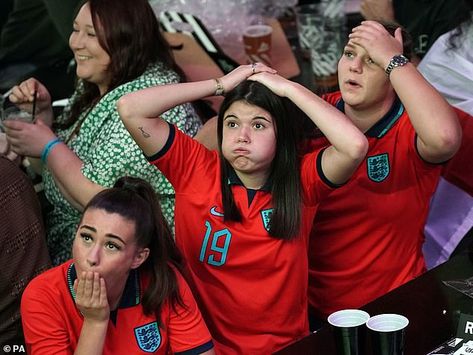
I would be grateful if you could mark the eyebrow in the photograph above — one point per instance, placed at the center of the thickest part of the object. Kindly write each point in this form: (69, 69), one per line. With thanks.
(229, 116)
(88, 26)
(254, 118)
(261, 118)
(109, 235)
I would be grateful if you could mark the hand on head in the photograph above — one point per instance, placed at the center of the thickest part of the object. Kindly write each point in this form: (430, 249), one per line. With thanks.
(243, 72)
(91, 296)
(377, 41)
(274, 82)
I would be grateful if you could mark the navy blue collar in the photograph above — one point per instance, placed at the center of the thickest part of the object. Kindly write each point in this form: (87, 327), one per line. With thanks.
(233, 179)
(380, 128)
(131, 294)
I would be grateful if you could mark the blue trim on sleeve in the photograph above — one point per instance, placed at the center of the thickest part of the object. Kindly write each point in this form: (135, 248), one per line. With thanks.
(321, 173)
(198, 350)
(167, 146)
(420, 156)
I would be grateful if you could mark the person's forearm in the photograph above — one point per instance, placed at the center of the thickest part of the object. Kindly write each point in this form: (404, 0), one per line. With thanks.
(434, 120)
(65, 167)
(140, 110)
(153, 102)
(338, 128)
(92, 338)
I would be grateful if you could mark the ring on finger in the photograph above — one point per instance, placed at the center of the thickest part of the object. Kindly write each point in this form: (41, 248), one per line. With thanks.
(253, 67)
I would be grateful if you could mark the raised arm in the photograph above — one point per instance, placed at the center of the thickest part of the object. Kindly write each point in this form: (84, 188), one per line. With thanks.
(349, 145)
(434, 120)
(141, 110)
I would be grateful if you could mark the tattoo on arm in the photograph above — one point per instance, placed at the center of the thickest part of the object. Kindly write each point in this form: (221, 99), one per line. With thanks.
(145, 134)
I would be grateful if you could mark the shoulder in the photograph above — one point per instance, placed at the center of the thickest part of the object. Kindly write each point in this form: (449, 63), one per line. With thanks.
(51, 284)
(161, 74)
(183, 287)
(48, 292)
(182, 147)
(181, 281)
(155, 74)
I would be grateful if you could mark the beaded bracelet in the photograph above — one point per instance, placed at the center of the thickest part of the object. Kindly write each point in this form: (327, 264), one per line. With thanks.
(47, 149)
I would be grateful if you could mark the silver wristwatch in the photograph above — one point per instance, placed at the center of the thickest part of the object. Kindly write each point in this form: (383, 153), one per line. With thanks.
(396, 61)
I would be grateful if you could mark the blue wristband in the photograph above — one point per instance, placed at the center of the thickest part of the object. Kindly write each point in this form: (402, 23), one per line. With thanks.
(47, 149)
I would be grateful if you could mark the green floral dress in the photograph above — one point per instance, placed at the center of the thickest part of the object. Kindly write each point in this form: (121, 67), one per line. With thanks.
(108, 152)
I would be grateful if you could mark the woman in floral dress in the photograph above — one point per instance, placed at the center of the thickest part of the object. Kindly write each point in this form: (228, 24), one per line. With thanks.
(118, 49)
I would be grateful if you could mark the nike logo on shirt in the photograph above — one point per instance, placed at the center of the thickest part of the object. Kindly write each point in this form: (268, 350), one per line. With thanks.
(214, 212)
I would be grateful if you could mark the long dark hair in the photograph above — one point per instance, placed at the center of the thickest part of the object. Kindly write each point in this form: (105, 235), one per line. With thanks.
(135, 200)
(464, 18)
(285, 174)
(129, 32)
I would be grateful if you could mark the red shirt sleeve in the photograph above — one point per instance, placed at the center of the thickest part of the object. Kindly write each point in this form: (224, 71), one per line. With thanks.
(187, 329)
(43, 329)
(315, 184)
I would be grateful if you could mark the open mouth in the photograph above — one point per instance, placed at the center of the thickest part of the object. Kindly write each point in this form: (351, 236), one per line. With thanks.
(352, 83)
(83, 57)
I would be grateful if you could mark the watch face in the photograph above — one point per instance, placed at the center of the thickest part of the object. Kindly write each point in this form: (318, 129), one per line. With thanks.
(400, 60)
(396, 61)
